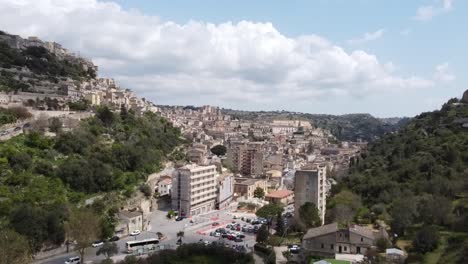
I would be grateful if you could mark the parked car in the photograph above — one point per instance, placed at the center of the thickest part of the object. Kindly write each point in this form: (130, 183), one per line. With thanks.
(17, 129)
(135, 233)
(217, 234)
(73, 260)
(114, 238)
(234, 217)
(215, 224)
(237, 239)
(98, 243)
(179, 218)
(294, 249)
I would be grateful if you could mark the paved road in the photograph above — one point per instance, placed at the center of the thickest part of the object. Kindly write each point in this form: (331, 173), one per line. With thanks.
(194, 232)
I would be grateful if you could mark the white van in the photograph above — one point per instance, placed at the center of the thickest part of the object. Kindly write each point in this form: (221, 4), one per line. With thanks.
(73, 260)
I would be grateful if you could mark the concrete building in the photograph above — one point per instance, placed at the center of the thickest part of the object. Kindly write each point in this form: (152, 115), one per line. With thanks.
(310, 186)
(328, 240)
(280, 196)
(246, 187)
(129, 221)
(194, 189)
(246, 157)
(225, 191)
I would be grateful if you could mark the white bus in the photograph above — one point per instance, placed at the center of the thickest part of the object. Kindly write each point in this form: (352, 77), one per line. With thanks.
(145, 245)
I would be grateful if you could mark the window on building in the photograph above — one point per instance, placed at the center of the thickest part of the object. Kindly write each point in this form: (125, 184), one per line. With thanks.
(345, 248)
(331, 246)
(322, 245)
(362, 239)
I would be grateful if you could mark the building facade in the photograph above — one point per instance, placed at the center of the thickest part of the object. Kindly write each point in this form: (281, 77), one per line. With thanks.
(194, 189)
(225, 191)
(310, 186)
(165, 187)
(246, 187)
(246, 157)
(280, 196)
(328, 240)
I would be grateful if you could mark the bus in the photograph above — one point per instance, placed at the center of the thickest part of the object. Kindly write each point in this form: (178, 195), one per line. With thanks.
(145, 245)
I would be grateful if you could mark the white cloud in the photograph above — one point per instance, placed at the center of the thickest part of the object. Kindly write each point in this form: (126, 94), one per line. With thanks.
(368, 36)
(443, 73)
(428, 12)
(232, 64)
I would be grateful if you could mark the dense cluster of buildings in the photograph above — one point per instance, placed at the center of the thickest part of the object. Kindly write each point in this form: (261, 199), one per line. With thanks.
(54, 94)
(287, 159)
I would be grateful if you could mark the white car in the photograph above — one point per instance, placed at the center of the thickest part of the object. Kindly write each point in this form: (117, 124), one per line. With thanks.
(217, 234)
(135, 232)
(98, 244)
(73, 260)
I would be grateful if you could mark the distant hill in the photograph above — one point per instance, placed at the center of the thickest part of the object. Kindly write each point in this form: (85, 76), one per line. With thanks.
(350, 127)
(419, 175)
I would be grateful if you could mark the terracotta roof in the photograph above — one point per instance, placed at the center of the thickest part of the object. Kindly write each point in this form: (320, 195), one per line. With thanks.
(166, 181)
(279, 194)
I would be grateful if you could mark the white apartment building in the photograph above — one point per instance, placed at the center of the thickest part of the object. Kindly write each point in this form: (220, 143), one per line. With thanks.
(165, 187)
(194, 189)
(310, 186)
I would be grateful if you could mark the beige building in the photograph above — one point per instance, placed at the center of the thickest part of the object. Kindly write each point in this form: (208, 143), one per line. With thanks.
(280, 196)
(246, 187)
(310, 186)
(328, 240)
(194, 189)
(246, 157)
(129, 221)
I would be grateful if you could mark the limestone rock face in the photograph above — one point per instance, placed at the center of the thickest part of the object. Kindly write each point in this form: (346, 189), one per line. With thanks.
(465, 97)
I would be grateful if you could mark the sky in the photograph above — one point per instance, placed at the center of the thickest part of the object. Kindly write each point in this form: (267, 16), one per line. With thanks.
(387, 58)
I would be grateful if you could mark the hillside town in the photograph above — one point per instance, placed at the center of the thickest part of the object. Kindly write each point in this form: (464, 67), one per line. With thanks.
(228, 170)
(43, 93)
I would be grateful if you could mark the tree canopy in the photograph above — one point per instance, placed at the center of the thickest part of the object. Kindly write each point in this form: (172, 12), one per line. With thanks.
(219, 150)
(309, 215)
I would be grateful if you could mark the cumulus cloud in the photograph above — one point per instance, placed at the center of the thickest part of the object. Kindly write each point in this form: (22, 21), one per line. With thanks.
(443, 73)
(243, 63)
(428, 12)
(368, 36)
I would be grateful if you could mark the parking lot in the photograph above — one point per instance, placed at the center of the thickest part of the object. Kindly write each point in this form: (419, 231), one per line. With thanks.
(196, 230)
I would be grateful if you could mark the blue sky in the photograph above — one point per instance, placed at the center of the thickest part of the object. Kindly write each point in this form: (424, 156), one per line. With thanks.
(388, 58)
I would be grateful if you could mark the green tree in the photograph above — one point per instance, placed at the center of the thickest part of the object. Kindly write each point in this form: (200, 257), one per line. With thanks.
(259, 193)
(146, 190)
(426, 239)
(105, 115)
(20, 161)
(280, 225)
(55, 125)
(403, 213)
(269, 211)
(309, 215)
(31, 222)
(262, 234)
(14, 248)
(108, 250)
(83, 228)
(219, 150)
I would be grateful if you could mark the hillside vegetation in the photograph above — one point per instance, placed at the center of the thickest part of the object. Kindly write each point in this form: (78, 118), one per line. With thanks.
(418, 176)
(42, 177)
(40, 62)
